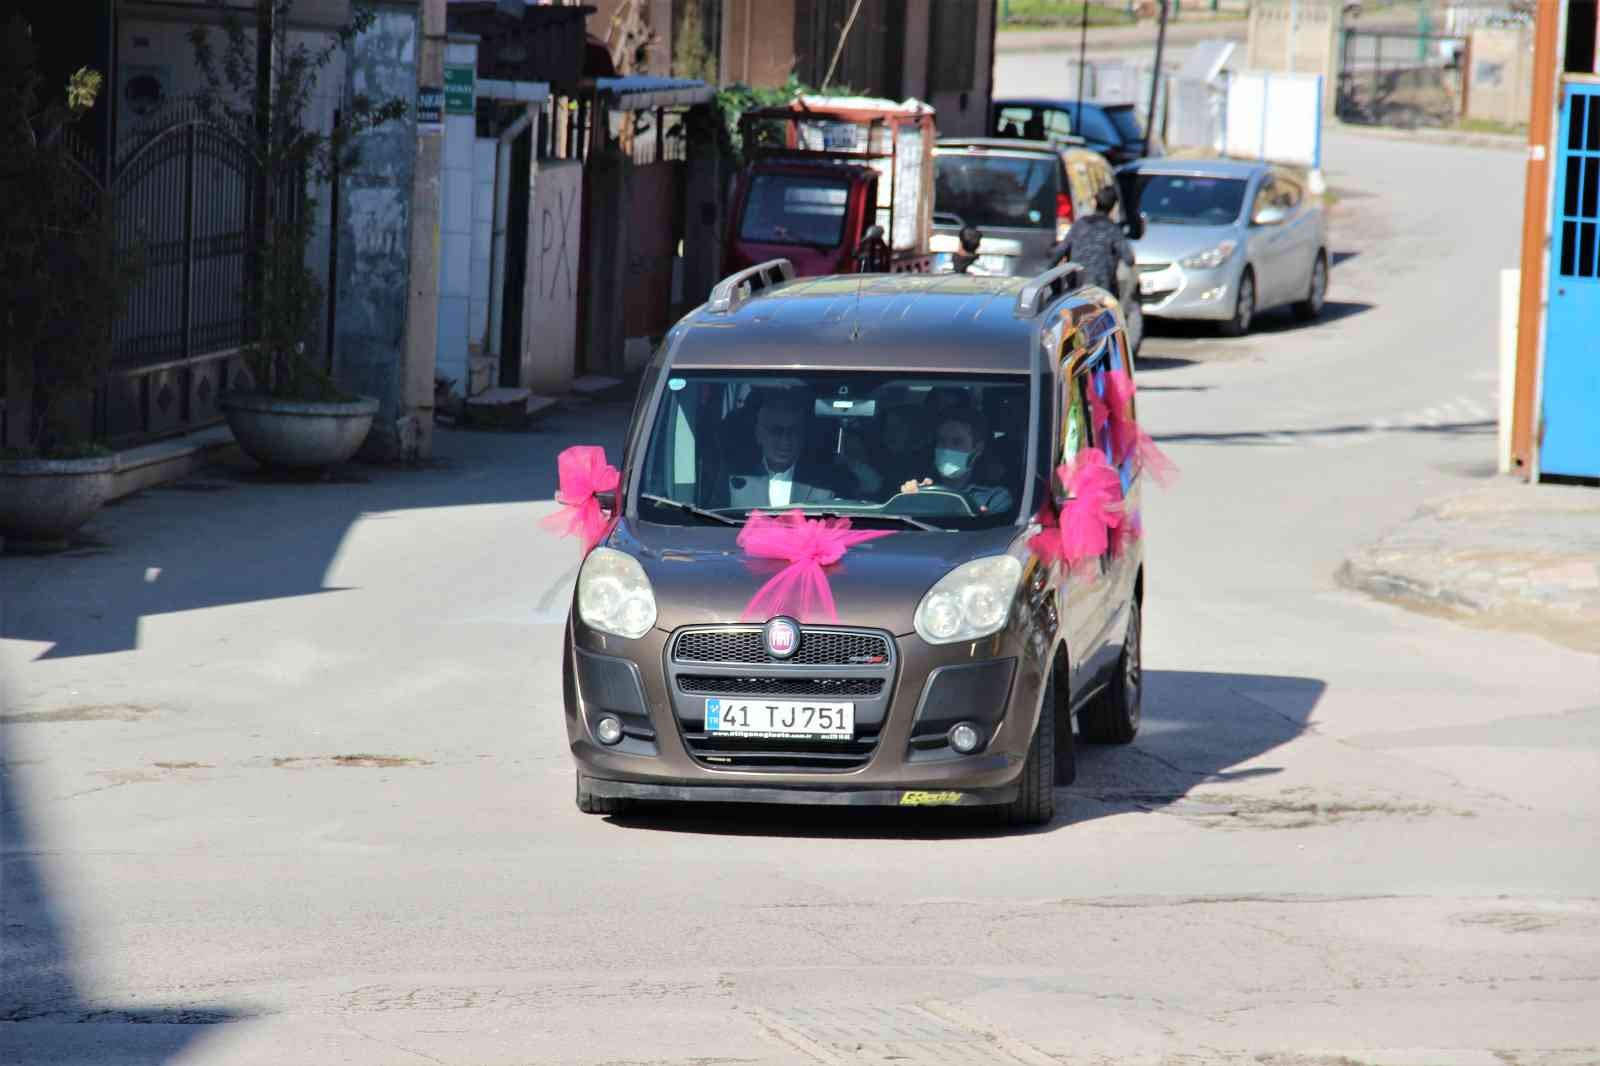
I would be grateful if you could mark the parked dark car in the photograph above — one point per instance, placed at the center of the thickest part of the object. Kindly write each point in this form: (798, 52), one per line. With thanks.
(958, 659)
(1023, 196)
(1112, 129)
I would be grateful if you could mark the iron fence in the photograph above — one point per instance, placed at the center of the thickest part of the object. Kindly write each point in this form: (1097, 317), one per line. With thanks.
(186, 202)
(1393, 78)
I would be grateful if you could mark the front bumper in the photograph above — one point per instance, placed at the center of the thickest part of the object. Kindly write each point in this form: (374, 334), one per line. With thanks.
(1169, 290)
(662, 755)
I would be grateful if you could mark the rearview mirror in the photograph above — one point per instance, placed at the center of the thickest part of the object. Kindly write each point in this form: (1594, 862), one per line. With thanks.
(1269, 216)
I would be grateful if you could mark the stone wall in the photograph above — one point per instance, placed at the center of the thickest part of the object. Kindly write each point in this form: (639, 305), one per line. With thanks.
(374, 230)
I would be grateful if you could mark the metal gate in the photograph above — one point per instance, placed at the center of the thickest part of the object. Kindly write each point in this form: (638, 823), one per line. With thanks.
(1570, 444)
(1400, 79)
(186, 200)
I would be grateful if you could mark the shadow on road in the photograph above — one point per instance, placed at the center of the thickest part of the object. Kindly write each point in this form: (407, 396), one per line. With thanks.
(45, 1018)
(1267, 323)
(1291, 436)
(1199, 728)
(235, 534)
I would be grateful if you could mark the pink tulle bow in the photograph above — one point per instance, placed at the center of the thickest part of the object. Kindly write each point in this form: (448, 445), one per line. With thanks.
(1093, 507)
(582, 471)
(1128, 438)
(807, 545)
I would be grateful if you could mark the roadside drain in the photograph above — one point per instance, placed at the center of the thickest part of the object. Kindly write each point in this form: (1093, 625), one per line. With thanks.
(906, 1033)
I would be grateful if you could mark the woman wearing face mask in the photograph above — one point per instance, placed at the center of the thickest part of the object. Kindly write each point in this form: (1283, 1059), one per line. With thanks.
(957, 445)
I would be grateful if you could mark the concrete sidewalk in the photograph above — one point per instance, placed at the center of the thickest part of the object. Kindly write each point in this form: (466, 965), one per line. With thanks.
(1510, 556)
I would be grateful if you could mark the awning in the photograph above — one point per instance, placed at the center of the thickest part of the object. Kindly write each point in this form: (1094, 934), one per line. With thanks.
(640, 92)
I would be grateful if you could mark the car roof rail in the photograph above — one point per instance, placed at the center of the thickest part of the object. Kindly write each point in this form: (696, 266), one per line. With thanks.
(736, 288)
(1050, 285)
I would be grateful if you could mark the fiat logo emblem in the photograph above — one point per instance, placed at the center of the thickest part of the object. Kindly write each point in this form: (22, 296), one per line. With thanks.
(781, 637)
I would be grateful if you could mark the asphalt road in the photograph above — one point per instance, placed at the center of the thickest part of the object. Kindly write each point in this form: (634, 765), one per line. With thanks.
(285, 778)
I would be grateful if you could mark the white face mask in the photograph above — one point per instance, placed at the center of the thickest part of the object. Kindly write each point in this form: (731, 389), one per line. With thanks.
(950, 462)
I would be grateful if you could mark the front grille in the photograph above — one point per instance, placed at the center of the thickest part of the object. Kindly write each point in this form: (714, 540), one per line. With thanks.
(1151, 268)
(840, 665)
(820, 687)
(818, 647)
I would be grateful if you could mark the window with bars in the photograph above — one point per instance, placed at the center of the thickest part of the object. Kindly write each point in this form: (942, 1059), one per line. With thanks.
(1580, 202)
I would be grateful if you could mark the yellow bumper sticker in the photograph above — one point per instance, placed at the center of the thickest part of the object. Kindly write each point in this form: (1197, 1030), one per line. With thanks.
(929, 799)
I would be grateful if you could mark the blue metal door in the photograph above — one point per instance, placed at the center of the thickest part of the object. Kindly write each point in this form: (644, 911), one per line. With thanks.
(1570, 418)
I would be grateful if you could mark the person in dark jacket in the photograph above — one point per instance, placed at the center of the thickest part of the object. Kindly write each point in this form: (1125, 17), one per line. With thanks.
(1097, 243)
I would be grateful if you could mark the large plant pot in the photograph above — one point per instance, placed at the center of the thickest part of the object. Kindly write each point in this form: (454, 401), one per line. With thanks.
(44, 501)
(298, 434)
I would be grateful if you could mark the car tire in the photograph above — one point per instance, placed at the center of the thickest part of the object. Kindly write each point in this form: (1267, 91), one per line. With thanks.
(1113, 716)
(589, 803)
(1036, 793)
(1244, 306)
(1310, 308)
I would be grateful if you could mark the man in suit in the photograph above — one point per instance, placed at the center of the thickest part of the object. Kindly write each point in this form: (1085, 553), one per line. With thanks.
(781, 478)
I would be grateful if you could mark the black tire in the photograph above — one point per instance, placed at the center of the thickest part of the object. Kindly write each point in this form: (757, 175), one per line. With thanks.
(1036, 791)
(1113, 716)
(1310, 308)
(1244, 306)
(589, 803)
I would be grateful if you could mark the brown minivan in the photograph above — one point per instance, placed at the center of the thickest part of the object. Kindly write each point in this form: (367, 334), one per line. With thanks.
(934, 409)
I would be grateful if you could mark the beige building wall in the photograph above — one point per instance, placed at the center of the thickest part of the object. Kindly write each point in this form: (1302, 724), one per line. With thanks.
(1500, 75)
(1301, 36)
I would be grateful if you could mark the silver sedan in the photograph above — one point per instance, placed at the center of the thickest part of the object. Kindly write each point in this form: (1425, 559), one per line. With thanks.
(1225, 240)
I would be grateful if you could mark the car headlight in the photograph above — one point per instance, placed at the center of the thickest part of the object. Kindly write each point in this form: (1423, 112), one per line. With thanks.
(969, 602)
(614, 595)
(1211, 257)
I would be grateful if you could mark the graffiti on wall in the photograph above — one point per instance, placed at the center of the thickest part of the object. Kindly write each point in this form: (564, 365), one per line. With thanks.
(550, 296)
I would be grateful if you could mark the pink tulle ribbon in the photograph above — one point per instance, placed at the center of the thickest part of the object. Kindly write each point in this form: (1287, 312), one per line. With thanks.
(1092, 520)
(807, 545)
(582, 471)
(1128, 438)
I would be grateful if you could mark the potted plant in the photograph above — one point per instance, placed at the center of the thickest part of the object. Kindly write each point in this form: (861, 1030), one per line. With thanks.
(63, 287)
(296, 416)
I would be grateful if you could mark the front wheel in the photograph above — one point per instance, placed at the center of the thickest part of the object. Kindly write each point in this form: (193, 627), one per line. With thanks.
(1317, 294)
(1113, 716)
(1244, 307)
(1036, 790)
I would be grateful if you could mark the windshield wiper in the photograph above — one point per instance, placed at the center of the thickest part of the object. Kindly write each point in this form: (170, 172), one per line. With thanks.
(689, 508)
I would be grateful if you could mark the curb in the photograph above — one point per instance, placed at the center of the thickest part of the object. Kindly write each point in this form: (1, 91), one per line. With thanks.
(1457, 138)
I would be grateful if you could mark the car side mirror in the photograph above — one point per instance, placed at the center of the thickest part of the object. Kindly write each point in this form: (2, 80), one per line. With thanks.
(607, 501)
(1134, 227)
(874, 233)
(1269, 216)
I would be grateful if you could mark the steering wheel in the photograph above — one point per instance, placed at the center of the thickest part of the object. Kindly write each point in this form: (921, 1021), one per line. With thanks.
(928, 501)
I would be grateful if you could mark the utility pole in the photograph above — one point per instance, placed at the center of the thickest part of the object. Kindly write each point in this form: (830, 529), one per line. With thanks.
(422, 300)
(1083, 49)
(1155, 79)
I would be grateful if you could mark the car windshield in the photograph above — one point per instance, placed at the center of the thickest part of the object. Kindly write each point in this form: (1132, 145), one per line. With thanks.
(1127, 124)
(997, 190)
(795, 209)
(1187, 200)
(945, 451)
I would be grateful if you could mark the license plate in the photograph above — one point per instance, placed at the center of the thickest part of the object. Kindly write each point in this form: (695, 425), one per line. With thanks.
(781, 718)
